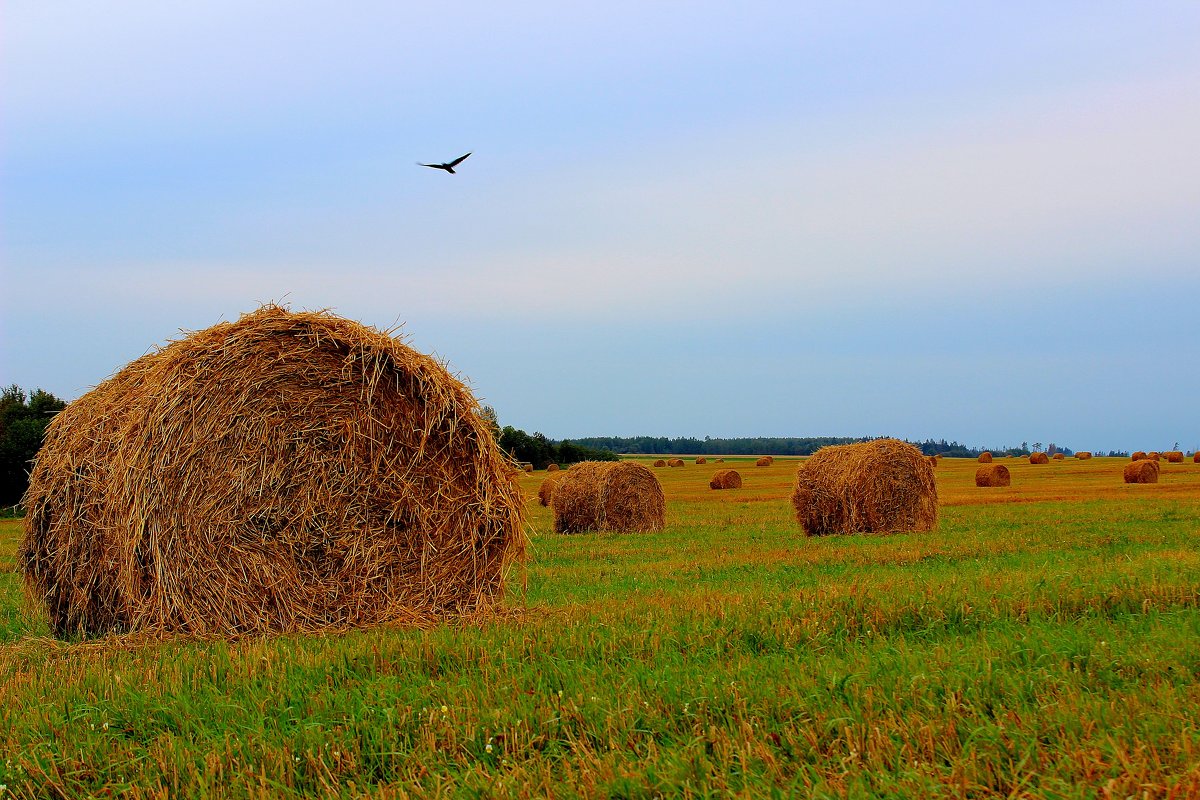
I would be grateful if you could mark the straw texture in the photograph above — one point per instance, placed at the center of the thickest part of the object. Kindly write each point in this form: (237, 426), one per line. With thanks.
(1039, 458)
(725, 479)
(992, 475)
(608, 496)
(880, 486)
(1144, 471)
(285, 472)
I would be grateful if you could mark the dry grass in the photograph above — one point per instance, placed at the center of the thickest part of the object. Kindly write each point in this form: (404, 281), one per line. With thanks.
(726, 479)
(608, 496)
(285, 472)
(880, 486)
(993, 475)
(1144, 471)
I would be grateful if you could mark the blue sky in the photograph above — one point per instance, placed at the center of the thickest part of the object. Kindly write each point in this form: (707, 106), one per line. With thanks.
(975, 221)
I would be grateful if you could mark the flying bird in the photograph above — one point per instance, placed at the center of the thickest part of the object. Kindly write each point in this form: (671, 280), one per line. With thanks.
(449, 167)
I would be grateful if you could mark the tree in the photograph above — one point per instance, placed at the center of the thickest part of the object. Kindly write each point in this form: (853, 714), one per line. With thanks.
(22, 425)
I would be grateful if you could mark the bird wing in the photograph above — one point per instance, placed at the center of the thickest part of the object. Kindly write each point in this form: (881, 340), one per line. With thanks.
(435, 166)
(457, 161)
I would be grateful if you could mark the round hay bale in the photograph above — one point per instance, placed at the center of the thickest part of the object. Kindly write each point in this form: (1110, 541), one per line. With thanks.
(985, 457)
(675, 462)
(933, 460)
(1059, 457)
(546, 490)
(992, 475)
(1174, 456)
(879, 486)
(1138, 455)
(552, 467)
(285, 472)
(527, 467)
(764, 461)
(1153, 456)
(608, 496)
(1039, 458)
(1083, 455)
(701, 460)
(660, 463)
(719, 461)
(1196, 457)
(1144, 471)
(725, 479)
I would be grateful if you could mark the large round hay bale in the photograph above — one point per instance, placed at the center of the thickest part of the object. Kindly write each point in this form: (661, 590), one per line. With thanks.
(608, 496)
(552, 467)
(878, 486)
(1060, 456)
(992, 475)
(725, 479)
(660, 463)
(701, 460)
(764, 461)
(288, 471)
(1138, 455)
(1174, 456)
(985, 457)
(1039, 458)
(675, 462)
(1144, 471)
(546, 490)
(1083, 455)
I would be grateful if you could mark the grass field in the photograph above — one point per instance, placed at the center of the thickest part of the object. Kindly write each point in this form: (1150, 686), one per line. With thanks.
(1044, 641)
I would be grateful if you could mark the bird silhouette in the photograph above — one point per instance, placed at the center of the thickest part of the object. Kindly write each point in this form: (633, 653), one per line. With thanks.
(449, 166)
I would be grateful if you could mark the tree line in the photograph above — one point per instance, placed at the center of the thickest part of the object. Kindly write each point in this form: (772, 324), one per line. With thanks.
(23, 421)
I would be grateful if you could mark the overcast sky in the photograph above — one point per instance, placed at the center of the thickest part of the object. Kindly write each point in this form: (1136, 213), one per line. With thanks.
(978, 221)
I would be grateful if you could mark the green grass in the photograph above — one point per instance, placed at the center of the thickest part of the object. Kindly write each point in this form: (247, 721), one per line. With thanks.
(1023, 649)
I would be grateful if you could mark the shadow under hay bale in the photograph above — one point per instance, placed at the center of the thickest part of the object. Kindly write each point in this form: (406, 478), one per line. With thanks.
(1039, 458)
(608, 496)
(881, 486)
(985, 457)
(725, 479)
(285, 472)
(992, 475)
(1143, 471)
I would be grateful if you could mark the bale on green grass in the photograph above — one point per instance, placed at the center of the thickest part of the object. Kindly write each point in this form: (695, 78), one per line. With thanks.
(1144, 471)
(546, 490)
(992, 475)
(725, 479)
(879, 486)
(284, 472)
(608, 496)
(1039, 458)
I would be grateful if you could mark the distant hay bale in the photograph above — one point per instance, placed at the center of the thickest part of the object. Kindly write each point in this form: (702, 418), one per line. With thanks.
(1143, 471)
(284, 472)
(1138, 455)
(527, 467)
(546, 490)
(933, 460)
(1196, 457)
(1153, 456)
(1039, 458)
(720, 461)
(764, 461)
(607, 496)
(1174, 456)
(675, 462)
(660, 463)
(701, 460)
(1083, 455)
(879, 486)
(725, 479)
(985, 457)
(552, 467)
(1060, 456)
(992, 475)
